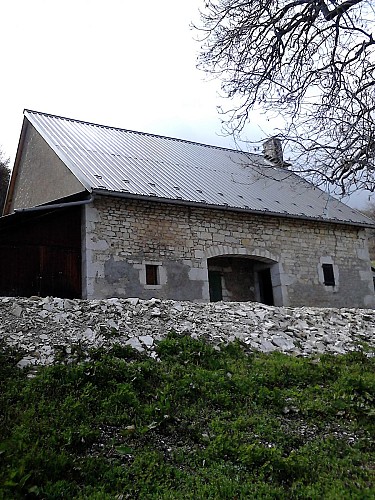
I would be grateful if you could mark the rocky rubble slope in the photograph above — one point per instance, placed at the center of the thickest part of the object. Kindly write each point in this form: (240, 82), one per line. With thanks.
(48, 329)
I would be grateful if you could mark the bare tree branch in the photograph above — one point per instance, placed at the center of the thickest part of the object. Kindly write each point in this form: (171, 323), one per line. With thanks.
(310, 61)
(339, 10)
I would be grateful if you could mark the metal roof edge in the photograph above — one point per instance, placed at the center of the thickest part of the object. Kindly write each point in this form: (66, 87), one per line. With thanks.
(357, 211)
(16, 218)
(171, 201)
(63, 157)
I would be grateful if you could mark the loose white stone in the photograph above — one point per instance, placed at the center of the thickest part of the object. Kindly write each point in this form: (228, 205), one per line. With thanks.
(132, 300)
(147, 340)
(88, 334)
(284, 343)
(16, 311)
(240, 313)
(135, 343)
(26, 361)
(69, 304)
(40, 323)
(153, 301)
(178, 306)
(267, 346)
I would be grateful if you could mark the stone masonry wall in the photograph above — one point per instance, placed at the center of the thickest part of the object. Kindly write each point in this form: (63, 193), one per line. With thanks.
(123, 235)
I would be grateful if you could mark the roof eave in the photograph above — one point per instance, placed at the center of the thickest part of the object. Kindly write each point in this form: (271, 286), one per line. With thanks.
(131, 196)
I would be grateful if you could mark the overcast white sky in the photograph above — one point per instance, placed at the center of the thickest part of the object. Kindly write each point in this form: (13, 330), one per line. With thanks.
(123, 63)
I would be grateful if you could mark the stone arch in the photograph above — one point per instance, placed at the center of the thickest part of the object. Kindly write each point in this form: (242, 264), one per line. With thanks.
(239, 273)
(259, 253)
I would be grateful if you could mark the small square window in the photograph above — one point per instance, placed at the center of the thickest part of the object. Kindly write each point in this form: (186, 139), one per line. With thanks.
(152, 277)
(328, 275)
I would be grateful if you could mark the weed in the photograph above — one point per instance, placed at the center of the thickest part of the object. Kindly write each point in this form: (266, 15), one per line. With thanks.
(197, 423)
(109, 333)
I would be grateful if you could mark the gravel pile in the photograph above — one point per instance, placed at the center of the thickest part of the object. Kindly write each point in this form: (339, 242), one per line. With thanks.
(46, 328)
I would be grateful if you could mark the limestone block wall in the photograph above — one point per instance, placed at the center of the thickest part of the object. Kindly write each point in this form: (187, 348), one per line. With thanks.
(121, 237)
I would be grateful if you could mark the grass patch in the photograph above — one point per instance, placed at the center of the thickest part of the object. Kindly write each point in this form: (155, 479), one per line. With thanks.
(198, 423)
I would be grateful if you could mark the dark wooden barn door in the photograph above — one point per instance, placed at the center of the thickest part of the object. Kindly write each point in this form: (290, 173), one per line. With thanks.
(40, 270)
(40, 254)
(19, 270)
(60, 272)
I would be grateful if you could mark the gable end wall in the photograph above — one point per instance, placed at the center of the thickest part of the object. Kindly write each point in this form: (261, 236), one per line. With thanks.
(122, 236)
(41, 176)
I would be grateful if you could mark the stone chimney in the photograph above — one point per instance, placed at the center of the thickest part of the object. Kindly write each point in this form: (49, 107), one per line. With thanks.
(273, 151)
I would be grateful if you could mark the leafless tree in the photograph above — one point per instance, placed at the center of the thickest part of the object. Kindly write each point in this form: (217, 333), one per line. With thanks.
(4, 179)
(310, 61)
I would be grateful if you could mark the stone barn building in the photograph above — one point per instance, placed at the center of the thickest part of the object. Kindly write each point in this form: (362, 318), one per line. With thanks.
(97, 212)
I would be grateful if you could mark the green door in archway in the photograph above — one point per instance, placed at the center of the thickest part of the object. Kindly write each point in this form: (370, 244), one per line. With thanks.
(215, 286)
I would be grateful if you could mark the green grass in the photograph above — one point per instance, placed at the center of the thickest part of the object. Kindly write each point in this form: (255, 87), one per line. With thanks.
(198, 423)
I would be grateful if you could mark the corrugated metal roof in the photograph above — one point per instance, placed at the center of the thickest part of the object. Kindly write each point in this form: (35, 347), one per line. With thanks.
(141, 164)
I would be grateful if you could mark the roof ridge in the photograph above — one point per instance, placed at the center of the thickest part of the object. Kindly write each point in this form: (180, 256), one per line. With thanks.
(149, 134)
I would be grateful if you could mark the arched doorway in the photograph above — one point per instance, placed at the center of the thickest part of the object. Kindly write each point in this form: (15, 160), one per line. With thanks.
(242, 278)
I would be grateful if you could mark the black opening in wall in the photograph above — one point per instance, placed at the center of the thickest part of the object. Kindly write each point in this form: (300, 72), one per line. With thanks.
(265, 286)
(328, 275)
(152, 277)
